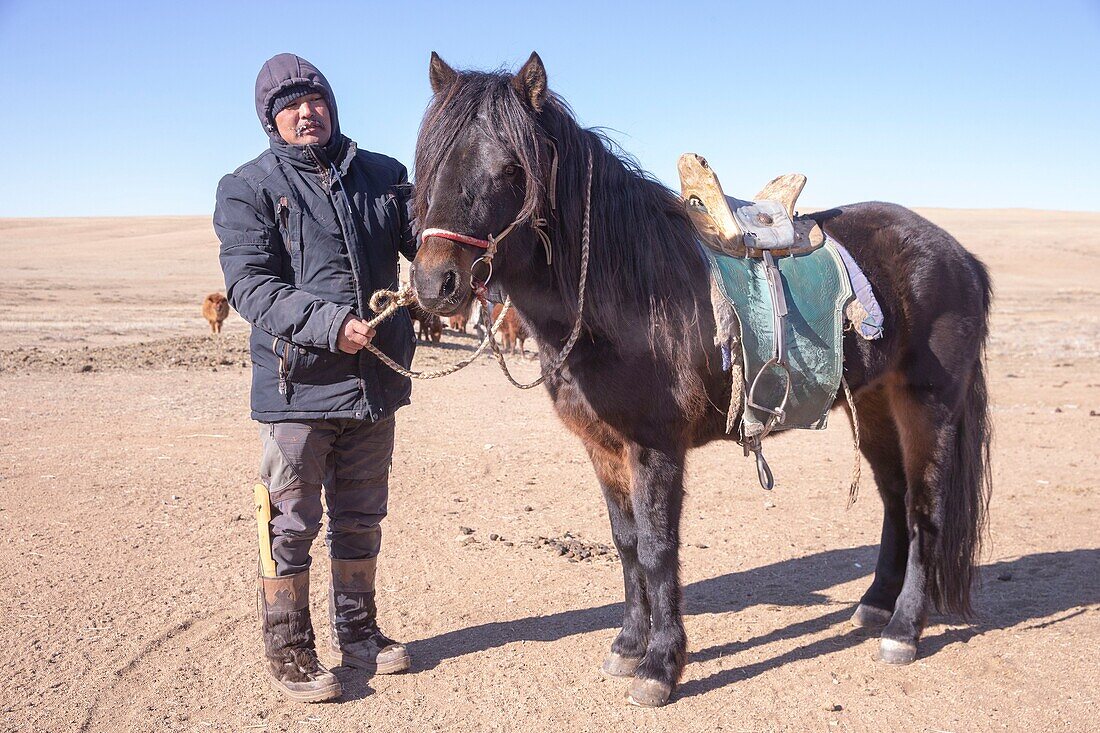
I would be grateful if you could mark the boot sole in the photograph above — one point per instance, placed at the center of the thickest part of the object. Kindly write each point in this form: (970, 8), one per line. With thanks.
(330, 692)
(394, 666)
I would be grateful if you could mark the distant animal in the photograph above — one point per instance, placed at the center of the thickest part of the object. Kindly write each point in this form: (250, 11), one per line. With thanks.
(476, 317)
(215, 309)
(511, 330)
(429, 326)
(460, 320)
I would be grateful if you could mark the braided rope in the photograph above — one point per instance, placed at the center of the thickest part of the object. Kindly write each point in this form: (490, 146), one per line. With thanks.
(737, 394)
(564, 354)
(853, 490)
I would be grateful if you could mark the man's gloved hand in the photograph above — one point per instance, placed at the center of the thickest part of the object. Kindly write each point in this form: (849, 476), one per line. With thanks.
(354, 335)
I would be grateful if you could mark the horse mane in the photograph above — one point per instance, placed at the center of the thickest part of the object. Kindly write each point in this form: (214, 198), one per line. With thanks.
(645, 260)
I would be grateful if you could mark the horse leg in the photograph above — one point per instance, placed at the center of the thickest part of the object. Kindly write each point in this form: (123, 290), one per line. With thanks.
(881, 446)
(629, 645)
(927, 430)
(656, 497)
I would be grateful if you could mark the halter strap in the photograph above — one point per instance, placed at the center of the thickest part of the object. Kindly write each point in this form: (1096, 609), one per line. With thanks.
(454, 237)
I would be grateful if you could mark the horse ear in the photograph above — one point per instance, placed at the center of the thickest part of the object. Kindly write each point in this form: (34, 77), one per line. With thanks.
(530, 82)
(440, 74)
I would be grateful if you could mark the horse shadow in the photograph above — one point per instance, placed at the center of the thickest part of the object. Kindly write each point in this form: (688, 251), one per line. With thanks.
(1010, 592)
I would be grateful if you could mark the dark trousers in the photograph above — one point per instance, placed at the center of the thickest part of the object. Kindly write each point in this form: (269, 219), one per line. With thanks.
(350, 459)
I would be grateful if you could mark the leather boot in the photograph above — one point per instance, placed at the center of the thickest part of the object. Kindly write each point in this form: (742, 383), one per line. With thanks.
(289, 646)
(356, 639)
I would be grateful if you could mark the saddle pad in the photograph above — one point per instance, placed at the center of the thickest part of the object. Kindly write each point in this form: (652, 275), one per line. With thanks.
(868, 317)
(816, 287)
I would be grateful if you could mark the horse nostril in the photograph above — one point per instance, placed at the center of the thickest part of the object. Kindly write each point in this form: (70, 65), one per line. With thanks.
(450, 284)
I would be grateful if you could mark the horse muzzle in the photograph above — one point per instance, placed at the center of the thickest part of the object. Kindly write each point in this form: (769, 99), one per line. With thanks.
(441, 276)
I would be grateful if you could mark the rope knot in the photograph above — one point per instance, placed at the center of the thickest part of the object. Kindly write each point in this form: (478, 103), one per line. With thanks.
(381, 300)
(387, 301)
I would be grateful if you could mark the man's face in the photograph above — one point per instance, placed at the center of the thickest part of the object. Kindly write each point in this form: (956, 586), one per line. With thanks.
(305, 121)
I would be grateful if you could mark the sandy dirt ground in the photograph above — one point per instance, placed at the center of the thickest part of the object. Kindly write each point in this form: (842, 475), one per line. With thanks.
(127, 564)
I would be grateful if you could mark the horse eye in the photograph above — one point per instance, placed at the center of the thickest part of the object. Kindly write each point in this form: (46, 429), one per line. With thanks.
(509, 170)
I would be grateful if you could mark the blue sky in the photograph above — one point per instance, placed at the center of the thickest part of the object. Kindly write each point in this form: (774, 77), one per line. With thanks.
(134, 108)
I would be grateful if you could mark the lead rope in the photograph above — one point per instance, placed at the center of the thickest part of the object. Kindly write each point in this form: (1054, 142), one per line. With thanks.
(857, 465)
(404, 296)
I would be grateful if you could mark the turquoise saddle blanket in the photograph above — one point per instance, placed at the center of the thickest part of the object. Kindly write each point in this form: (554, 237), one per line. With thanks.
(816, 287)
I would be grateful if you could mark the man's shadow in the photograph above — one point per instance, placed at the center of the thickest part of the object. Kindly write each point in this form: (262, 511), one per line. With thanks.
(1009, 593)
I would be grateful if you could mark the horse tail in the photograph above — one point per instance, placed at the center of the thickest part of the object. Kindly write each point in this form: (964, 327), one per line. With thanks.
(967, 487)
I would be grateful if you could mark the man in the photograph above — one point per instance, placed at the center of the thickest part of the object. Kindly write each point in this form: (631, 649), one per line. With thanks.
(308, 231)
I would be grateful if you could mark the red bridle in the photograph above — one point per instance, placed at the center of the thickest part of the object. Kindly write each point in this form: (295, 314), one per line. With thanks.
(489, 245)
(454, 237)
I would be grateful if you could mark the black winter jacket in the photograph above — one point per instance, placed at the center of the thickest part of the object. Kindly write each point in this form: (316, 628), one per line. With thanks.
(307, 234)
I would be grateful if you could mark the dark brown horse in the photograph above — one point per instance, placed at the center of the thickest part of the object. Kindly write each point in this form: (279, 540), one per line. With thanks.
(486, 159)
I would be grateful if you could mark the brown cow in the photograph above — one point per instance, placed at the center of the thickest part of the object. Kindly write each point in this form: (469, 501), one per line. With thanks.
(460, 320)
(511, 330)
(215, 309)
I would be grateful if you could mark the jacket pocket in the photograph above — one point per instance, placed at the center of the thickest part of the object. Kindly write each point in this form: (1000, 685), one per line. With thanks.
(308, 366)
(290, 228)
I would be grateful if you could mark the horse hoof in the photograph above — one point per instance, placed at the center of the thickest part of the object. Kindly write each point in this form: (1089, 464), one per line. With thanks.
(648, 693)
(616, 665)
(893, 651)
(870, 617)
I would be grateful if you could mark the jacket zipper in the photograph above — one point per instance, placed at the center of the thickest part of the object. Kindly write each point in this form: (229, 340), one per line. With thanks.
(282, 213)
(329, 178)
(295, 249)
(284, 369)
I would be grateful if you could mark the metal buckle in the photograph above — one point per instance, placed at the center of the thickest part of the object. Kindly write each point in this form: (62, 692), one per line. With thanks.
(489, 264)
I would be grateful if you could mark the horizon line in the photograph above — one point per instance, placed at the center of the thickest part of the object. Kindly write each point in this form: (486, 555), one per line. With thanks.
(808, 210)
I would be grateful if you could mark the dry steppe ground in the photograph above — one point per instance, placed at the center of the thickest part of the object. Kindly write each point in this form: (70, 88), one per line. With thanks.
(128, 561)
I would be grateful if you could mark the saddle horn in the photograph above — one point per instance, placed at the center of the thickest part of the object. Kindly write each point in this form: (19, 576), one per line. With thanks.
(783, 190)
(699, 181)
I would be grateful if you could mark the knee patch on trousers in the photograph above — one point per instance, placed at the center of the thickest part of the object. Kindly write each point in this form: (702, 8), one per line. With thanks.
(293, 456)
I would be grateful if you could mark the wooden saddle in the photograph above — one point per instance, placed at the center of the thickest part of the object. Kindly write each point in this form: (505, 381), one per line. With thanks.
(747, 228)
